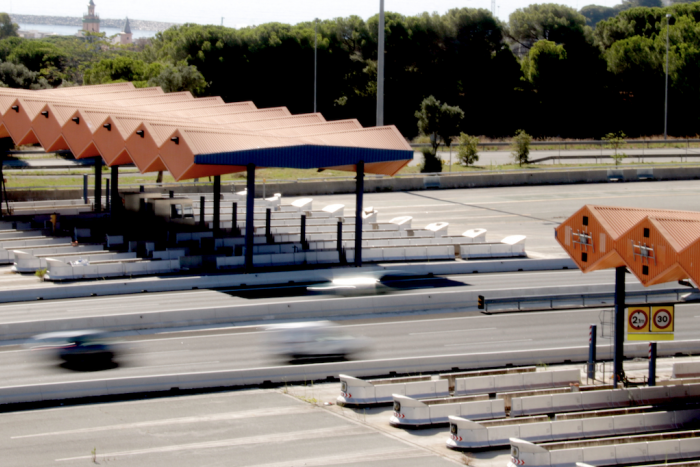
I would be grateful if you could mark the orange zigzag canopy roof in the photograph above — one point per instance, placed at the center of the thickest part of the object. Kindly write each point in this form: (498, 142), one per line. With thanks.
(182, 134)
(656, 245)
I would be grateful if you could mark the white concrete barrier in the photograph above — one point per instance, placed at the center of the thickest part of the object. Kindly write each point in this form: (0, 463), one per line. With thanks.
(686, 369)
(516, 382)
(409, 412)
(358, 392)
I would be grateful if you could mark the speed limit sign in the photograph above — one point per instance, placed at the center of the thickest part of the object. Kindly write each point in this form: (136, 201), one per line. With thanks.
(662, 319)
(638, 319)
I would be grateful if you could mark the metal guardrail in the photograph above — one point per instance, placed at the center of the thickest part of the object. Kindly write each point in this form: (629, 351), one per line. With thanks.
(592, 142)
(639, 157)
(583, 300)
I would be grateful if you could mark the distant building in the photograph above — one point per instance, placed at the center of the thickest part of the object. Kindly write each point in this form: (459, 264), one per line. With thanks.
(33, 34)
(91, 21)
(125, 37)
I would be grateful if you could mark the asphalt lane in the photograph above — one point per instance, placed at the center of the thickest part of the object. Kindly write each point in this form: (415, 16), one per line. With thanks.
(393, 337)
(192, 301)
(243, 428)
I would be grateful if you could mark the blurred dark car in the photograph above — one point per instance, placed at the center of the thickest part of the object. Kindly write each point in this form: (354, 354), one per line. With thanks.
(91, 347)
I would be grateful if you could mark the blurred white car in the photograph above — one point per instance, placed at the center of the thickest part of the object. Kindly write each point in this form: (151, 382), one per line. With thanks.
(313, 340)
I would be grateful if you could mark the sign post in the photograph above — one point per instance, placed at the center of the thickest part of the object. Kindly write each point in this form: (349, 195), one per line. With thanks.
(650, 323)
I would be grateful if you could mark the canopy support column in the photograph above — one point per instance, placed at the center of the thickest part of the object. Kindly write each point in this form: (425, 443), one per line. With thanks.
(359, 192)
(116, 200)
(250, 218)
(98, 184)
(619, 373)
(217, 205)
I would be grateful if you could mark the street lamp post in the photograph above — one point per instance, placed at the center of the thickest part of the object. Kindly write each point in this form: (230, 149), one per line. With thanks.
(380, 67)
(315, 60)
(668, 19)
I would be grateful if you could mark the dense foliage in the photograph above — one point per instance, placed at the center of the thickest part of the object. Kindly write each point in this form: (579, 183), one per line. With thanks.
(550, 71)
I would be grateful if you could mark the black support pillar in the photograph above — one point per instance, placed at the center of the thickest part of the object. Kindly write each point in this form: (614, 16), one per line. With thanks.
(359, 191)
(98, 184)
(116, 200)
(234, 219)
(202, 203)
(250, 218)
(217, 205)
(618, 373)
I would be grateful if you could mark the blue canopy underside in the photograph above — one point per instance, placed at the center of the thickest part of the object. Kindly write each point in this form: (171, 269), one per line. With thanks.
(304, 156)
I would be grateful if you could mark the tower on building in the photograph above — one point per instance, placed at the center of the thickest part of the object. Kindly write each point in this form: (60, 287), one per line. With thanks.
(91, 21)
(125, 37)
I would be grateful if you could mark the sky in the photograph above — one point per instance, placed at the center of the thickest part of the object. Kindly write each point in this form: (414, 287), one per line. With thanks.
(240, 13)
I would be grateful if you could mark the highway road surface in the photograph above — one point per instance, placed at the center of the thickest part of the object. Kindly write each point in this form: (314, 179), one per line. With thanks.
(392, 337)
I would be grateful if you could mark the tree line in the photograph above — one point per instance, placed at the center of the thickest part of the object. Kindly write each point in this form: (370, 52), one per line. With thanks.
(550, 70)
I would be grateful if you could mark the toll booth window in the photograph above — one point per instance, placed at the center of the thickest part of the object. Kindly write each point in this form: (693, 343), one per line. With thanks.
(453, 428)
(397, 406)
(176, 211)
(189, 213)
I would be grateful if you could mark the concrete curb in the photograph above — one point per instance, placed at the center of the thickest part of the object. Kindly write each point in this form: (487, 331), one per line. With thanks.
(323, 371)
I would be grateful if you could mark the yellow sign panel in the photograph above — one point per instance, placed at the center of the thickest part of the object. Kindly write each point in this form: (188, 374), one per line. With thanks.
(651, 336)
(662, 318)
(638, 319)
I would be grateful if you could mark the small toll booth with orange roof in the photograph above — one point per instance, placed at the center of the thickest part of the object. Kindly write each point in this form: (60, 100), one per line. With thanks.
(656, 245)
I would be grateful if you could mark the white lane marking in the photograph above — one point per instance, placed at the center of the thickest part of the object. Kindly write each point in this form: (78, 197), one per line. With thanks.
(367, 455)
(271, 412)
(488, 342)
(322, 433)
(444, 332)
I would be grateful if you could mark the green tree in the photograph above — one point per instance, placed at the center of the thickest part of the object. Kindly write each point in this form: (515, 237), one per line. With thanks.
(616, 141)
(436, 119)
(112, 70)
(180, 77)
(19, 76)
(548, 21)
(7, 27)
(521, 147)
(468, 149)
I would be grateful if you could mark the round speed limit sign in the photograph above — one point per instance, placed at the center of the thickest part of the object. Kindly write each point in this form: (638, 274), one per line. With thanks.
(662, 319)
(638, 319)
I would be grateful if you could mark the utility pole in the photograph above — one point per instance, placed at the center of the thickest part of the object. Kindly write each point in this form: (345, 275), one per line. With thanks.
(380, 67)
(222, 20)
(668, 20)
(315, 60)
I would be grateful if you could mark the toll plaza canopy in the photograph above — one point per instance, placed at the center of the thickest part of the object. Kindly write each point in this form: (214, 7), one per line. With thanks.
(191, 137)
(656, 245)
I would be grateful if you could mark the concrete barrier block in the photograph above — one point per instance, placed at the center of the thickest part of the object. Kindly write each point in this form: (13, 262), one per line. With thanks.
(481, 410)
(631, 453)
(525, 453)
(19, 394)
(690, 447)
(74, 389)
(536, 432)
(409, 411)
(686, 370)
(475, 385)
(385, 392)
(653, 395)
(598, 455)
(680, 418)
(565, 457)
(657, 421)
(500, 435)
(628, 424)
(566, 377)
(420, 389)
(598, 426)
(355, 391)
(537, 379)
(567, 402)
(663, 450)
(498, 408)
(506, 383)
(536, 405)
(440, 413)
(591, 400)
(465, 433)
(567, 429)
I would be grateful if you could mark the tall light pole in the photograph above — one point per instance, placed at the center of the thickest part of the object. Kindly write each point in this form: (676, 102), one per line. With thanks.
(315, 60)
(380, 67)
(668, 19)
